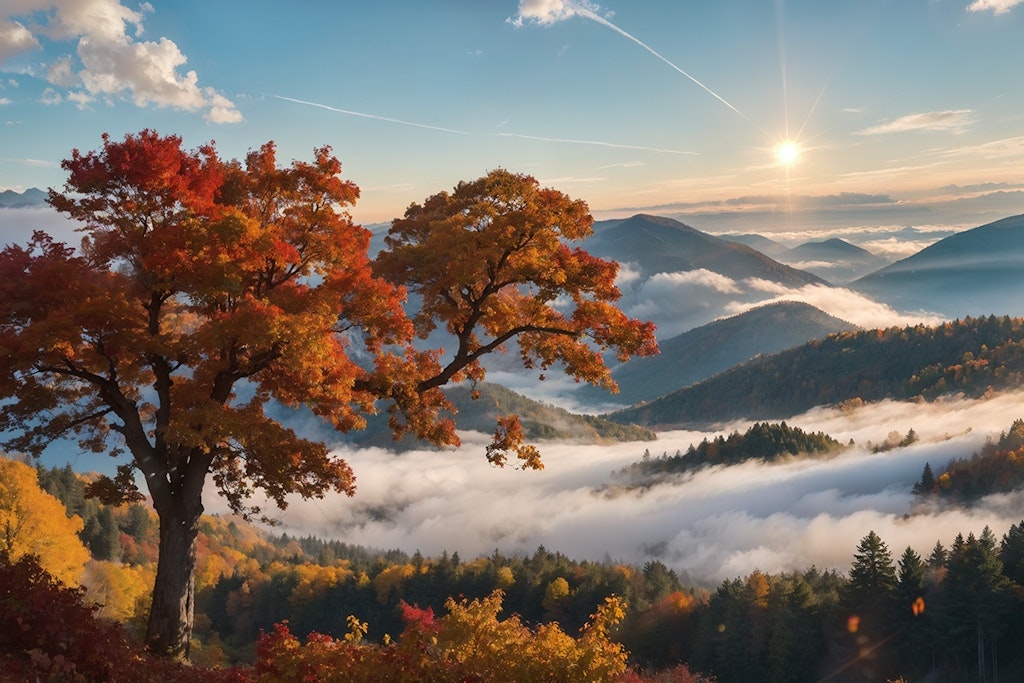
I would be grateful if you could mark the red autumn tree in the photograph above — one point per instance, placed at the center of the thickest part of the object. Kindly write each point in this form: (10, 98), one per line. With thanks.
(205, 289)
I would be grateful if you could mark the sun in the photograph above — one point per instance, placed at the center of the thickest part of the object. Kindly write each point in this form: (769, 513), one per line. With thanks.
(787, 153)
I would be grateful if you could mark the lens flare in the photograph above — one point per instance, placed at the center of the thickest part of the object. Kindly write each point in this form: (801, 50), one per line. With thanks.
(787, 153)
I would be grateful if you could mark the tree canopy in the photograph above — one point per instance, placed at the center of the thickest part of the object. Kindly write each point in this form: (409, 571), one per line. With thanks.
(205, 288)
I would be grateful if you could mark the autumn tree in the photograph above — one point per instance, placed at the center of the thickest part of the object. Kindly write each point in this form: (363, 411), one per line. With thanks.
(32, 522)
(490, 264)
(205, 289)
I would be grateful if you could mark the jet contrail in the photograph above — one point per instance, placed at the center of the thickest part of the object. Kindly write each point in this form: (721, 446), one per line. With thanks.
(454, 131)
(584, 12)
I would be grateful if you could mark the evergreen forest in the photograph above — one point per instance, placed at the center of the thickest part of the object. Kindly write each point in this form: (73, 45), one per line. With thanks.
(279, 607)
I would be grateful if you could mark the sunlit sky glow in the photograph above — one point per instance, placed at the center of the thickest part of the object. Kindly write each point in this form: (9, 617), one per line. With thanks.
(655, 106)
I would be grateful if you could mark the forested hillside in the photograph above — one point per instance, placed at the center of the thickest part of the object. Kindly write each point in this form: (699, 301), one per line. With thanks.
(917, 614)
(709, 349)
(998, 467)
(972, 356)
(478, 407)
(763, 441)
(977, 271)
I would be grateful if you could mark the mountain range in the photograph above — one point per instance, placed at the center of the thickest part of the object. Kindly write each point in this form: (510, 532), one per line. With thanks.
(704, 351)
(974, 356)
(664, 245)
(974, 272)
(688, 281)
(9, 199)
(834, 259)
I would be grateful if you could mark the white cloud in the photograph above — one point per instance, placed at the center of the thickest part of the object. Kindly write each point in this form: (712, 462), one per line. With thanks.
(4, 100)
(997, 6)
(715, 524)
(679, 301)
(547, 12)
(700, 277)
(629, 273)
(81, 99)
(844, 304)
(951, 121)
(61, 73)
(51, 97)
(15, 38)
(113, 61)
(895, 248)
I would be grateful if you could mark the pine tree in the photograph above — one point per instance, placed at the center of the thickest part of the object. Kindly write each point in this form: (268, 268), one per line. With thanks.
(909, 616)
(869, 594)
(926, 485)
(1011, 552)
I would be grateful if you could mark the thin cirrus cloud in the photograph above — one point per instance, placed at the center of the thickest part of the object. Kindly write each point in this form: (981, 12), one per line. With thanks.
(547, 12)
(950, 121)
(112, 63)
(455, 131)
(996, 6)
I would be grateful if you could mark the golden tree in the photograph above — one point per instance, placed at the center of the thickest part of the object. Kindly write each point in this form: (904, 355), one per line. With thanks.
(32, 522)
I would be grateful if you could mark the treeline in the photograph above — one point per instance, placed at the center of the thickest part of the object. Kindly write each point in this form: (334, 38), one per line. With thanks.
(998, 467)
(957, 614)
(972, 356)
(763, 441)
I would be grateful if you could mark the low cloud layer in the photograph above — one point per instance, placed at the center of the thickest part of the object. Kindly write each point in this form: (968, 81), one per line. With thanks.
(111, 60)
(713, 525)
(677, 302)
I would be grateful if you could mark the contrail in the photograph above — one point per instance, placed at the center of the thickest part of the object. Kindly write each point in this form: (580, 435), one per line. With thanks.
(454, 131)
(583, 11)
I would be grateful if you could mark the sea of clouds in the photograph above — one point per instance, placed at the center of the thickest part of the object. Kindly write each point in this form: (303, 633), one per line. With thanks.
(715, 524)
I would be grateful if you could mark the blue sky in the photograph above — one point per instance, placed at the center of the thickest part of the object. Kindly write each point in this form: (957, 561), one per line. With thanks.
(901, 111)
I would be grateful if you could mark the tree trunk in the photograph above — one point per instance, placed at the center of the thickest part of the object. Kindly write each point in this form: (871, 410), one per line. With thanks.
(170, 618)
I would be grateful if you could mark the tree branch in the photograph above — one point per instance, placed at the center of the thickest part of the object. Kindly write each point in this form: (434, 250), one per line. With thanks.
(465, 357)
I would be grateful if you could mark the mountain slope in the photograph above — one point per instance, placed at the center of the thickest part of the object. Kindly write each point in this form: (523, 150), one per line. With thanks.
(761, 243)
(975, 272)
(707, 350)
(539, 420)
(972, 356)
(834, 259)
(9, 199)
(664, 245)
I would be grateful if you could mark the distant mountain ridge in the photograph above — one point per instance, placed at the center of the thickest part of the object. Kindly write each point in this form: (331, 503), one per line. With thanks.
(664, 245)
(975, 272)
(9, 199)
(766, 246)
(834, 259)
(972, 356)
(707, 350)
(540, 421)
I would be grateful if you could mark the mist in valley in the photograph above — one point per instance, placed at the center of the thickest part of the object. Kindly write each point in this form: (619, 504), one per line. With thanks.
(710, 525)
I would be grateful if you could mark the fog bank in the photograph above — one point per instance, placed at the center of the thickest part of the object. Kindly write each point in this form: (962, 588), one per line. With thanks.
(715, 524)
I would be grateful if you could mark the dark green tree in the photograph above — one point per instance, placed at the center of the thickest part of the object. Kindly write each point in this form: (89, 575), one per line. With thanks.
(868, 599)
(1011, 553)
(926, 484)
(976, 595)
(910, 619)
(101, 535)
